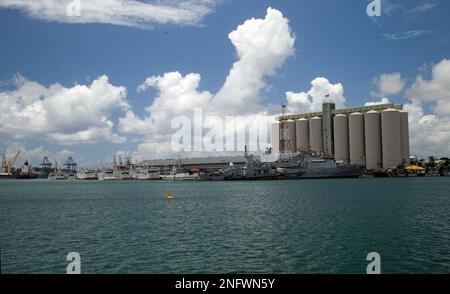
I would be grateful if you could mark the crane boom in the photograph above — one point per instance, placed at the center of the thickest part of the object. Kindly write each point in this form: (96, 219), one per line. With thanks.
(12, 161)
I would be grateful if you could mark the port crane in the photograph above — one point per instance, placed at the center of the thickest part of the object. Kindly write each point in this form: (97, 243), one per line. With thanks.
(9, 165)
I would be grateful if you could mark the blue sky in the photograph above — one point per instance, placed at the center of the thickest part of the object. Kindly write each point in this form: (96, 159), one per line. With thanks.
(333, 39)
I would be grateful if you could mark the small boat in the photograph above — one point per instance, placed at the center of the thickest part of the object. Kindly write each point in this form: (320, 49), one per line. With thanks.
(149, 174)
(122, 174)
(56, 176)
(88, 175)
(106, 175)
(192, 175)
(211, 176)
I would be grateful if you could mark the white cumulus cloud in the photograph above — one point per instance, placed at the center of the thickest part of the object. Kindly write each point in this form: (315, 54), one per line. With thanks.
(429, 110)
(262, 47)
(312, 100)
(79, 114)
(435, 91)
(388, 84)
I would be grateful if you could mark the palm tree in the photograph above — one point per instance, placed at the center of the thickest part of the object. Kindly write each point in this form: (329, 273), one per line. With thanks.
(431, 161)
(446, 161)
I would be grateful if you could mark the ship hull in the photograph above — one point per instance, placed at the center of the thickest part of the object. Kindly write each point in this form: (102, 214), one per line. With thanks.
(25, 177)
(346, 172)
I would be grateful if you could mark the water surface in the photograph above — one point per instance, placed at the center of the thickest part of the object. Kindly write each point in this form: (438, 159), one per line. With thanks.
(301, 226)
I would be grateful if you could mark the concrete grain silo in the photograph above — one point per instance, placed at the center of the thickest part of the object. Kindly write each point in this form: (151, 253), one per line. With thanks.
(315, 134)
(372, 132)
(404, 131)
(341, 139)
(276, 137)
(302, 136)
(391, 138)
(356, 138)
(292, 136)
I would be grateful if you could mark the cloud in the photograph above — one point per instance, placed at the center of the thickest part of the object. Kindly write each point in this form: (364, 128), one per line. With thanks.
(429, 112)
(429, 133)
(388, 84)
(118, 12)
(262, 47)
(381, 102)
(176, 95)
(80, 114)
(312, 100)
(435, 91)
(420, 9)
(405, 35)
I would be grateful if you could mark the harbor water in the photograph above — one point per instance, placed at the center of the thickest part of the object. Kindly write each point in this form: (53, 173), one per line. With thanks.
(298, 226)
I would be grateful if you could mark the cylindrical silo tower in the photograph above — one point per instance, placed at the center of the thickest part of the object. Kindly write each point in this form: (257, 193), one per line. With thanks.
(341, 140)
(292, 136)
(391, 138)
(356, 138)
(315, 134)
(302, 134)
(276, 137)
(372, 130)
(404, 129)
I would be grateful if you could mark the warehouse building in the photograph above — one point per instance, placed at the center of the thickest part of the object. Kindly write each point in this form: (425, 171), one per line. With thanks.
(376, 136)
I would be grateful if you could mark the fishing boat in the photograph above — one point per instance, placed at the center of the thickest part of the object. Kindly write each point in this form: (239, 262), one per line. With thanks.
(87, 174)
(146, 173)
(106, 175)
(174, 175)
(122, 174)
(56, 176)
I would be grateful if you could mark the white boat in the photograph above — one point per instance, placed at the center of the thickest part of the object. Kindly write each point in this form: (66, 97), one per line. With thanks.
(106, 175)
(147, 174)
(176, 176)
(88, 174)
(122, 174)
(56, 176)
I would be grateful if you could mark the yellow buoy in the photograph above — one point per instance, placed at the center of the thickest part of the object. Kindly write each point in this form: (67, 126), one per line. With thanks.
(169, 195)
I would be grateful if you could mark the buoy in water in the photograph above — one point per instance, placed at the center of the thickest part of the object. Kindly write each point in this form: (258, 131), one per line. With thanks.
(169, 195)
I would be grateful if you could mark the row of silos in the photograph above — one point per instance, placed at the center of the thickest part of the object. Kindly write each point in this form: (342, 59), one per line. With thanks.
(379, 140)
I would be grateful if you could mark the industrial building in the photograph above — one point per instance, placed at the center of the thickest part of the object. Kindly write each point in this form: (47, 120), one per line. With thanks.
(376, 136)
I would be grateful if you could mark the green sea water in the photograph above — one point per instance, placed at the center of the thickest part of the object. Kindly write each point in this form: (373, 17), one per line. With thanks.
(301, 226)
